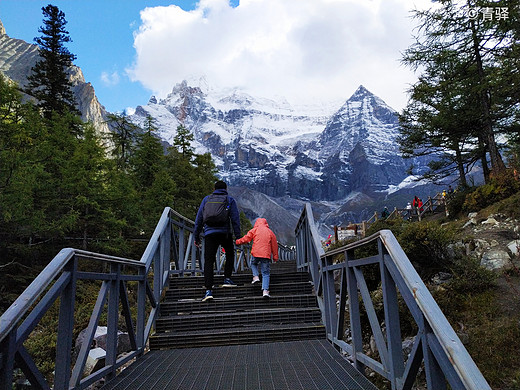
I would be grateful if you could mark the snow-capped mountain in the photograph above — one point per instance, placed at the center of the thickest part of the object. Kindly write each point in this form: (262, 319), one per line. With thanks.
(316, 153)
(344, 156)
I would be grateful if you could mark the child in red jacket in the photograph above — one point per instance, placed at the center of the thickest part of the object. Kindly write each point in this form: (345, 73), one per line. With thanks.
(264, 246)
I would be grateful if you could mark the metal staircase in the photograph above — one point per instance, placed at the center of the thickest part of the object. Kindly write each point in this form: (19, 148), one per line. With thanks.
(239, 340)
(238, 315)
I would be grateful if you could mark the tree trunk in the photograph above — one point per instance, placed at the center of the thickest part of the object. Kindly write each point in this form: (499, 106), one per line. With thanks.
(497, 164)
(460, 167)
(483, 159)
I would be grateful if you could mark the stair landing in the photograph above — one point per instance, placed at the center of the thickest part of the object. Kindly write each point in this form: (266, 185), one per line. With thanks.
(292, 365)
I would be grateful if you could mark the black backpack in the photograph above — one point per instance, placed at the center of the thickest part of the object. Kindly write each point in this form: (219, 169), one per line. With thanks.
(216, 211)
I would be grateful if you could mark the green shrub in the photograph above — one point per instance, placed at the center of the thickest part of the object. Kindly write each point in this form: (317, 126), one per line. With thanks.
(427, 246)
(469, 277)
(456, 201)
(508, 207)
(499, 188)
(395, 225)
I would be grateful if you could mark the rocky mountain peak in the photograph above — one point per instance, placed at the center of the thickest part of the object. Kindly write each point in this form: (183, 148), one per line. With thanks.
(184, 90)
(2, 29)
(360, 94)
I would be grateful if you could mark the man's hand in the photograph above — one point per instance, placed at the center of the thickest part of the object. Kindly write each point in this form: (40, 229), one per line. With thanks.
(197, 244)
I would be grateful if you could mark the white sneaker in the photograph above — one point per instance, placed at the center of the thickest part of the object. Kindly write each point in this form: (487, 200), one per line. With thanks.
(256, 279)
(266, 294)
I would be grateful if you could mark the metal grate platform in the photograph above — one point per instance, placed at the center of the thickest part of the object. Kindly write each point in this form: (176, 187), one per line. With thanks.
(296, 365)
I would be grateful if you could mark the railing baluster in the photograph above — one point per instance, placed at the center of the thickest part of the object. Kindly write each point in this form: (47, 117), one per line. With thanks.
(393, 328)
(141, 309)
(8, 348)
(112, 320)
(65, 329)
(77, 372)
(354, 311)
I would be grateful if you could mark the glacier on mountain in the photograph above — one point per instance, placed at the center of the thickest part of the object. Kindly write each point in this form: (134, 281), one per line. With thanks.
(318, 153)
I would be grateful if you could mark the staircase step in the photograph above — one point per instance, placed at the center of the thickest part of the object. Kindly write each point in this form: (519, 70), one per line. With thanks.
(198, 281)
(240, 290)
(244, 335)
(219, 305)
(236, 319)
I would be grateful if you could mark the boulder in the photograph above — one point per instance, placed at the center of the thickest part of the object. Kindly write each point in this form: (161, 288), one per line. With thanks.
(496, 260)
(407, 345)
(100, 340)
(441, 278)
(95, 360)
(514, 247)
(490, 221)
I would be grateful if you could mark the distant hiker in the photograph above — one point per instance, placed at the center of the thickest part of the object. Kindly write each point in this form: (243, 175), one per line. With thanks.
(264, 247)
(216, 213)
(409, 210)
(417, 204)
(450, 189)
(385, 213)
(329, 241)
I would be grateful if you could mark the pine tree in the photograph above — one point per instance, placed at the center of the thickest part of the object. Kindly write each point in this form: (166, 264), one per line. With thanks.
(440, 122)
(21, 131)
(182, 141)
(85, 183)
(49, 82)
(479, 46)
(123, 137)
(148, 157)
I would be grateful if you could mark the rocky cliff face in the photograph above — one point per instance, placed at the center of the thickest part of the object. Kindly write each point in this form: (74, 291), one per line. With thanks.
(17, 57)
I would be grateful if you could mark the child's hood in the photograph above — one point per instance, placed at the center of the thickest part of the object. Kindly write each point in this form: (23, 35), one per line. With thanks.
(261, 222)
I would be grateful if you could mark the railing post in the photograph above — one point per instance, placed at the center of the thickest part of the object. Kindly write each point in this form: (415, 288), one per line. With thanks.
(141, 310)
(167, 237)
(8, 346)
(434, 375)
(182, 257)
(329, 297)
(354, 313)
(112, 320)
(65, 329)
(164, 247)
(157, 275)
(393, 326)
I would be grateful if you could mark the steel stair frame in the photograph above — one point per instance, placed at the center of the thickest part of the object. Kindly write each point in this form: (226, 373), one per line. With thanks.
(437, 346)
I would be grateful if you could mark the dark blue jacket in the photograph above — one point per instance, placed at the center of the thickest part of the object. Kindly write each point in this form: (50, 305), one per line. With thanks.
(233, 215)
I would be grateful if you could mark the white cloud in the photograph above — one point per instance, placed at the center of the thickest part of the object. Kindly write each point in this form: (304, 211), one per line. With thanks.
(110, 79)
(304, 50)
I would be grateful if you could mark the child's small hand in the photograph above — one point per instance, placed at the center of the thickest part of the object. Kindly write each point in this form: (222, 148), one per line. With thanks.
(236, 242)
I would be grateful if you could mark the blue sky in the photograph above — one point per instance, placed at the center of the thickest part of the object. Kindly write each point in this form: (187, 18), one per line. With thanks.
(102, 40)
(304, 50)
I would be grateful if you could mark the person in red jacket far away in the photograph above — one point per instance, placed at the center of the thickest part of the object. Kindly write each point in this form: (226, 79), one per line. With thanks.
(264, 247)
